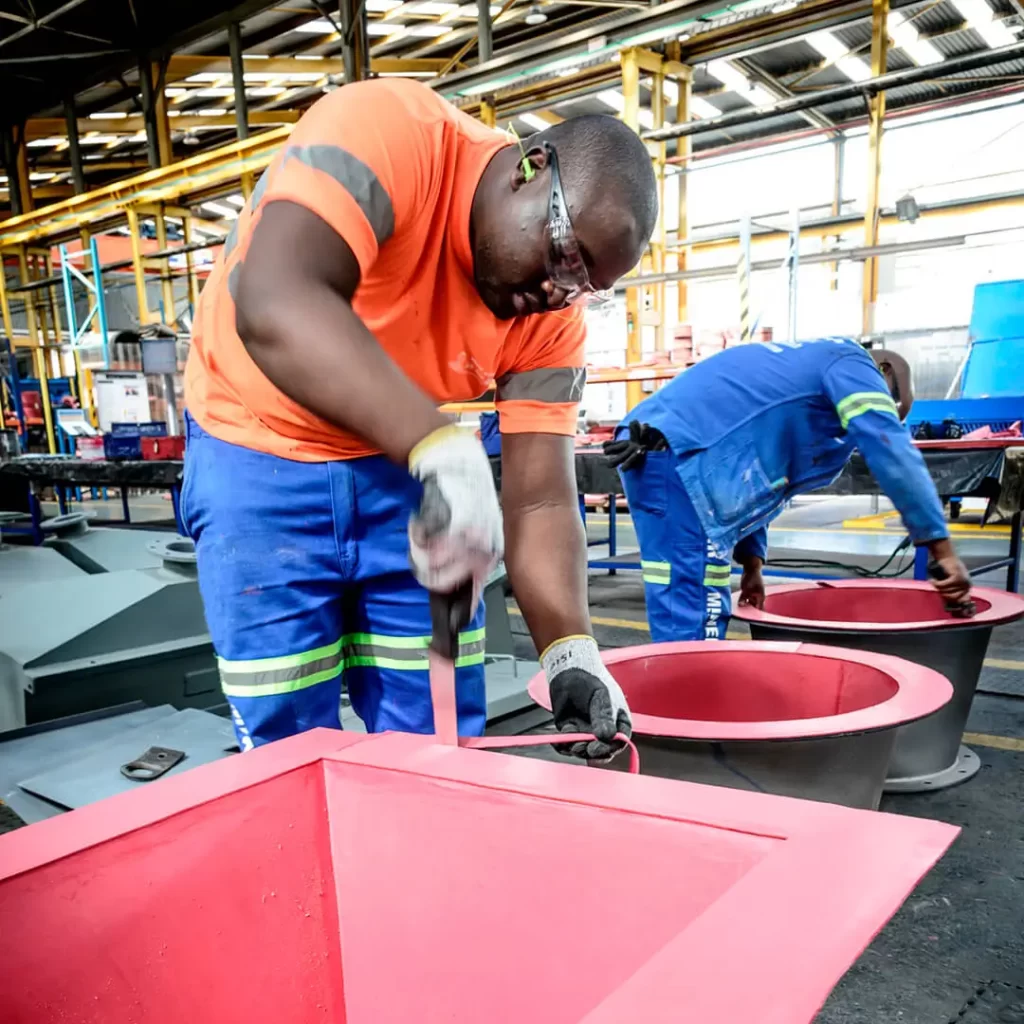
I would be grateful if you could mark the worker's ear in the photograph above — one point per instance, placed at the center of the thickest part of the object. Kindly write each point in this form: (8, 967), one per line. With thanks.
(530, 163)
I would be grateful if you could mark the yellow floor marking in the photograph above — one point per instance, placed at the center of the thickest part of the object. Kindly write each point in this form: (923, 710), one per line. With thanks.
(1004, 663)
(879, 523)
(981, 739)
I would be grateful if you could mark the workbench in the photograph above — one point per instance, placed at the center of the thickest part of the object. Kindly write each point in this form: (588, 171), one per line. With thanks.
(990, 469)
(60, 471)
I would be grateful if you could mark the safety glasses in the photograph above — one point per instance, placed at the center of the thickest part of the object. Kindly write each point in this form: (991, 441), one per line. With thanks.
(565, 267)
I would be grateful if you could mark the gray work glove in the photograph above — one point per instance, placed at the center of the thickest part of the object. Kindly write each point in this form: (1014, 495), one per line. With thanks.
(585, 698)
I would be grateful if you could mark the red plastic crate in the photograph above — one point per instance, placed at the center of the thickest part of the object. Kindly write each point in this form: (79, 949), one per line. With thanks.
(338, 878)
(163, 447)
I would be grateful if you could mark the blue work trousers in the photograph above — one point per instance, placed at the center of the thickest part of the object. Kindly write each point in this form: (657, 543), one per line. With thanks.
(686, 580)
(304, 575)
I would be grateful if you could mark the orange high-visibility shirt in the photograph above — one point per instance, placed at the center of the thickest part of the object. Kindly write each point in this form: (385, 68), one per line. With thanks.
(392, 168)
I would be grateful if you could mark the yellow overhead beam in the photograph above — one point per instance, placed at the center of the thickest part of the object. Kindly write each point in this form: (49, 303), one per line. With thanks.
(51, 127)
(185, 65)
(197, 174)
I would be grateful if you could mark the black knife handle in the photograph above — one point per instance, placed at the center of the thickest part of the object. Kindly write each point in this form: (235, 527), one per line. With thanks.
(449, 614)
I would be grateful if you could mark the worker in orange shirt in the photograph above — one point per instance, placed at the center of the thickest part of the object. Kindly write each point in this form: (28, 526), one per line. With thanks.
(398, 254)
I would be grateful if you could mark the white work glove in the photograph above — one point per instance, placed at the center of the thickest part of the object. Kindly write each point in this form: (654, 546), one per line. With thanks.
(585, 697)
(456, 535)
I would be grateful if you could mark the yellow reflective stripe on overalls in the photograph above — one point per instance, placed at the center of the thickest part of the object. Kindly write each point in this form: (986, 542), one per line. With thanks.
(717, 575)
(864, 401)
(269, 677)
(658, 573)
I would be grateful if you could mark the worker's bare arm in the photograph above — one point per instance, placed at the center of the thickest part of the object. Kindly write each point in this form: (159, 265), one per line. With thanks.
(545, 546)
(294, 316)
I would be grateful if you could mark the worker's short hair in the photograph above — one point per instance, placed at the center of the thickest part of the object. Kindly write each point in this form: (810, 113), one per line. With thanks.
(600, 156)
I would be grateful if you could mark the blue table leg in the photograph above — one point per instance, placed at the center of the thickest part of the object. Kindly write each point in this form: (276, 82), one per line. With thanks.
(176, 503)
(124, 504)
(612, 543)
(36, 511)
(62, 501)
(921, 562)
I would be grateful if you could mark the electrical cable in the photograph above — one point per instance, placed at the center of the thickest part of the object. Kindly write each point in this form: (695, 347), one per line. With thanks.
(856, 570)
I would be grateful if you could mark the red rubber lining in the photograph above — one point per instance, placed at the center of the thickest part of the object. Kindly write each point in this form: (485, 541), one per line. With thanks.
(765, 691)
(870, 606)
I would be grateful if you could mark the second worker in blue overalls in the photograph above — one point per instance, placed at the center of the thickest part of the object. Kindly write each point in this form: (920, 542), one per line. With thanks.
(709, 460)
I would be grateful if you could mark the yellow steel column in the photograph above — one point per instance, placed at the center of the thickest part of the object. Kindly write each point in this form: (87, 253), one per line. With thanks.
(247, 184)
(166, 283)
(876, 110)
(488, 114)
(683, 78)
(630, 66)
(5, 308)
(190, 270)
(38, 352)
(137, 266)
(658, 153)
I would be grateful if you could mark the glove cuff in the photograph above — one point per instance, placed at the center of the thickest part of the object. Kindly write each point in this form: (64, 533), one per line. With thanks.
(580, 652)
(436, 437)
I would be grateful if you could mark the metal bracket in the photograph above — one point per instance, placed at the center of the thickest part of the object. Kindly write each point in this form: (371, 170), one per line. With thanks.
(152, 764)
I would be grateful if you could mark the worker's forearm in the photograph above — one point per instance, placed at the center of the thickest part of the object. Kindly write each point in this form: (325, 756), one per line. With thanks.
(546, 559)
(319, 353)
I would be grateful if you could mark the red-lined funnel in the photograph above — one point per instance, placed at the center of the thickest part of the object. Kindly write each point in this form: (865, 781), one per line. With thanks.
(328, 879)
(791, 719)
(908, 619)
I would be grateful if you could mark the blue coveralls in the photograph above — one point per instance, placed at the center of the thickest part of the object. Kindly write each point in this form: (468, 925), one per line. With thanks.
(748, 429)
(311, 582)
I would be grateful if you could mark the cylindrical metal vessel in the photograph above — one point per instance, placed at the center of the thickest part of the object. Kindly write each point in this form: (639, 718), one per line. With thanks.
(906, 619)
(791, 719)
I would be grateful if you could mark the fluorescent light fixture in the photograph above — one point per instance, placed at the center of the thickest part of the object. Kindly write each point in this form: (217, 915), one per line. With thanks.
(97, 140)
(215, 92)
(702, 108)
(383, 28)
(33, 176)
(107, 114)
(236, 200)
(431, 7)
(617, 102)
(210, 111)
(982, 19)
(206, 76)
(40, 143)
(175, 92)
(909, 40)
(429, 30)
(837, 53)
(265, 90)
(174, 113)
(535, 122)
(735, 81)
(317, 27)
(382, 6)
(219, 208)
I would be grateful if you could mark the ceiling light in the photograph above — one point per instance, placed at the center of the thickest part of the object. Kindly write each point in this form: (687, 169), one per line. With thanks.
(535, 122)
(190, 139)
(215, 92)
(908, 39)
(96, 140)
(535, 16)
(33, 176)
(836, 52)
(236, 200)
(319, 27)
(616, 101)
(107, 114)
(671, 92)
(210, 111)
(265, 90)
(259, 76)
(383, 28)
(735, 81)
(382, 6)
(431, 7)
(52, 141)
(428, 30)
(221, 209)
(702, 108)
(206, 76)
(175, 92)
(174, 113)
(982, 19)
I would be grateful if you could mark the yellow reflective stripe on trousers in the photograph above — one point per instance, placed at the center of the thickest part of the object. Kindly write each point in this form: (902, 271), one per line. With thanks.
(269, 677)
(717, 575)
(657, 573)
(864, 401)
